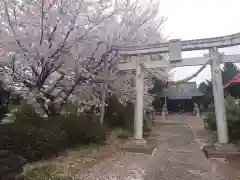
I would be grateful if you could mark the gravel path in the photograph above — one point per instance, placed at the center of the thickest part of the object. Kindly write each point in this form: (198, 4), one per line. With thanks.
(178, 156)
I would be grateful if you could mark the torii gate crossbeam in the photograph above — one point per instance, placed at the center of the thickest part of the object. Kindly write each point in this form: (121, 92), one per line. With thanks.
(188, 45)
(174, 49)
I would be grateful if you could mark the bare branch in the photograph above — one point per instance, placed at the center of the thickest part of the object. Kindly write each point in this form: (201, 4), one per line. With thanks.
(94, 52)
(14, 12)
(51, 4)
(35, 71)
(93, 26)
(55, 83)
(69, 92)
(51, 37)
(65, 38)
(12, 29)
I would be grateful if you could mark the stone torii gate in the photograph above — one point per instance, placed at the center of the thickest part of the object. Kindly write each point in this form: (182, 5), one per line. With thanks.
(174, 49)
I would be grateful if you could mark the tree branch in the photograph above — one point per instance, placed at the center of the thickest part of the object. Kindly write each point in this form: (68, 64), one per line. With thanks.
(65, 38)
(12, 29)
(42, 16)
(51, 4)
(35, 71)
(51, 37)
(55, 83)
(69, 92)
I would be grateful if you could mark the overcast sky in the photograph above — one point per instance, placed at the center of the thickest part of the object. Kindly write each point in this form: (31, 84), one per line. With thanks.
(191, 19)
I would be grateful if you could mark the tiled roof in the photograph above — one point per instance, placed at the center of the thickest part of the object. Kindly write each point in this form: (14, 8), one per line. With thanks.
(183, 91)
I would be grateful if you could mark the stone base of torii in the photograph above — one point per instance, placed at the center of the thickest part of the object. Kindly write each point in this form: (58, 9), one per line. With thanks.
(138, 145)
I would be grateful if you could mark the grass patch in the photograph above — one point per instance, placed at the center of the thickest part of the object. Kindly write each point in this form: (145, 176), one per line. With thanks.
(123, 133)
(85, 150)
(44, 173)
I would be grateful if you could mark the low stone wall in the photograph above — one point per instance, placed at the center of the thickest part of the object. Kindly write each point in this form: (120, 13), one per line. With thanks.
(10, 165)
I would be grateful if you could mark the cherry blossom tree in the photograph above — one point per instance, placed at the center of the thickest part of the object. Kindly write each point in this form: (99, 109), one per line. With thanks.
(141, 26)
(52, 48)
(56, 51)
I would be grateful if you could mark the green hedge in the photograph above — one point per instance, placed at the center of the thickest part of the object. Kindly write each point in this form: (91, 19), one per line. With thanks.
(233, 118)
(114, 113)
(118, 115)
(35, 138)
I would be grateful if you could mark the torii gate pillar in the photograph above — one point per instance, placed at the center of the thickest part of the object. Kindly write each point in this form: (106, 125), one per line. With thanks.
(138, 116)
(220, 109)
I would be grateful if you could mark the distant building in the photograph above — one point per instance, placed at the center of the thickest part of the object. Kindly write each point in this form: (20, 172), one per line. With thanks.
(181, 98)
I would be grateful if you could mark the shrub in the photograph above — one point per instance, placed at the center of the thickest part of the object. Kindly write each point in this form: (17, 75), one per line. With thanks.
(114, 113)
(83, 129)
(11, 165)
(147, 121)
(118, 115)
(233, 118)
(128, 116)
(123, 133)
(35, 138)
(210, 118)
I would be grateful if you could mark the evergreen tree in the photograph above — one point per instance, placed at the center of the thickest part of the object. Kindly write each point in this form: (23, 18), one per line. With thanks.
(207, 90)
(157, 89)
(228, 72)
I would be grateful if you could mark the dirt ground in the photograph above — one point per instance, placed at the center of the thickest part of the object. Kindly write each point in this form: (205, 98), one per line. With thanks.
(80, 160)
(230, 167)
(97, 163)
(177, 157)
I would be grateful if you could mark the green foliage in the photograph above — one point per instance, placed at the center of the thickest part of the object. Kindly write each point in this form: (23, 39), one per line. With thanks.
(147, 121)
(128, 114)
(207, 90)
(4, 99)
(233, 118)
(157, 103)
(229, 70)
(156, 91)
(35, 138)
(114, 113)
(120, 116)
(83, 129)
(210, 118)
(123, 133)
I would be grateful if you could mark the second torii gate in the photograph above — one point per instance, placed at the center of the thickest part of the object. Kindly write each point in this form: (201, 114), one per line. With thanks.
(174, 48)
